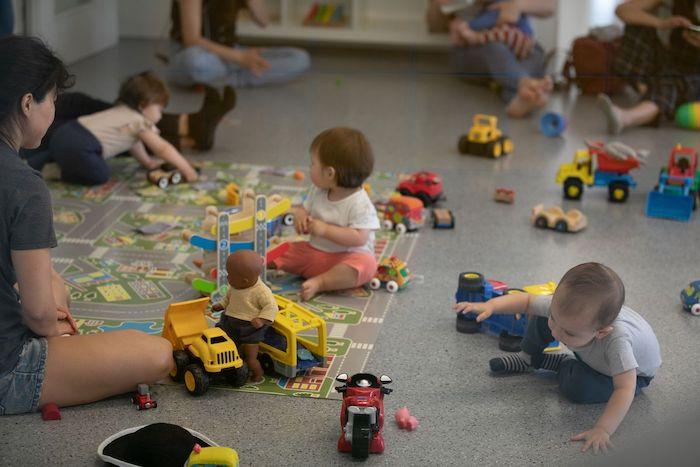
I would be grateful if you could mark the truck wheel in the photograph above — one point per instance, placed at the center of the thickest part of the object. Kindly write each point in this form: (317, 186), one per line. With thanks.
(425, 199)
(495, 149)
(507, 144)
(182, 359)
(163, 183)
(196, 380)
(618, 192)
(387, 224)
(561, 226)
(392, 287)
(288, 219)
(237, 377)
(361, 435)
(467, 323)
(695, 309)
(401, 228)
(405, 192)
(176, 178)
(541, 222)
(573, 188)
(694, 197)
(375, 284)
(471, 282)
(464, 145)
(266, 363)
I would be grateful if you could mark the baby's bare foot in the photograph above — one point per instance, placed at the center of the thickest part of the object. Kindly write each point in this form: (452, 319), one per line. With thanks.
(532, 93)
(309, 289)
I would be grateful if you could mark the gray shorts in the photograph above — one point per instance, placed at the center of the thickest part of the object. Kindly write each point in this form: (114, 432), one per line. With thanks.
(20, 388)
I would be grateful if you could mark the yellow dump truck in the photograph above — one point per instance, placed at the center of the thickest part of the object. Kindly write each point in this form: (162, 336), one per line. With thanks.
(201, 352)
(295, 342)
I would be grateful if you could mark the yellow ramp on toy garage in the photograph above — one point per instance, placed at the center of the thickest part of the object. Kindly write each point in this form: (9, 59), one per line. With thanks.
(248, 223)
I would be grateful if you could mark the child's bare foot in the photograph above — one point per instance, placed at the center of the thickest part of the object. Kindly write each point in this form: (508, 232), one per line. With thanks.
(310, 288)
(532, 94)
(612, 113)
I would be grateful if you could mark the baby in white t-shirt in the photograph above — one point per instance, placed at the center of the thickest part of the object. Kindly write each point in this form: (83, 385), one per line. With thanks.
(337, 214)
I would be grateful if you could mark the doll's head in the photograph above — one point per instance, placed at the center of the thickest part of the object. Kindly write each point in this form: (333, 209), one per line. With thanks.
(243, 268)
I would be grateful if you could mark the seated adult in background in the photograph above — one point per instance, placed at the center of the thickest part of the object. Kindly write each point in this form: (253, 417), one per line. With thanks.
(210, 54)
(502, 52)
(660, 57)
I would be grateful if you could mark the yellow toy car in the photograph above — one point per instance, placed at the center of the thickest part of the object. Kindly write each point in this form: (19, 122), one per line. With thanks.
(485, 139)
(200, 352)
(555, 218)
(290, 346)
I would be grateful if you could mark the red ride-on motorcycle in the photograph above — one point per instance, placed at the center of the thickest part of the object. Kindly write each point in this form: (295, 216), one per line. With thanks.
(362, 413)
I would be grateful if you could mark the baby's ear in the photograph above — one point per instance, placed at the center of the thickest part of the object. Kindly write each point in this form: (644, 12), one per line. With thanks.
(603, 332)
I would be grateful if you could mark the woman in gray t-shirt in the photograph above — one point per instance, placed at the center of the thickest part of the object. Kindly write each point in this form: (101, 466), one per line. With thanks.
(37, 364)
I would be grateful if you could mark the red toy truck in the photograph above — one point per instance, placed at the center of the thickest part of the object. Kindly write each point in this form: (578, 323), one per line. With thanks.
(362, 413)
(426, 186)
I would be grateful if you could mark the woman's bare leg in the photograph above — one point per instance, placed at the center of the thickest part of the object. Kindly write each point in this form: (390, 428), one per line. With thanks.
(88, 368)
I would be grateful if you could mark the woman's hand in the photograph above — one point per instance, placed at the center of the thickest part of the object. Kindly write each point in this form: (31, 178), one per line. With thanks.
(692, 38)
(66, 323)
(674, 22)
(253, 61)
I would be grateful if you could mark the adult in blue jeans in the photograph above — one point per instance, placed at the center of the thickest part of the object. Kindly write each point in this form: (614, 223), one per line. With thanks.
(524, 86)
(210, 54)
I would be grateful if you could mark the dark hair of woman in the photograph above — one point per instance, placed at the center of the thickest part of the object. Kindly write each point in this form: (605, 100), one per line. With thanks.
(28, 67)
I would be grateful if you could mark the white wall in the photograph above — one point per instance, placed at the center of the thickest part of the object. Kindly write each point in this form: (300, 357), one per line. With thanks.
(78, 32)
(139, 18)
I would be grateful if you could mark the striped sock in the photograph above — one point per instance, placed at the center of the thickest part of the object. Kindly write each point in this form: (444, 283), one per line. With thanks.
(511, 364)
(549, 361)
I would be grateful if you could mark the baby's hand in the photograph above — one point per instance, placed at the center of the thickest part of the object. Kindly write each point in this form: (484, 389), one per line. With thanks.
(317, 227)
(217, 307)
(596, 438)
(483, 310)
(257, 322)
(301, 222)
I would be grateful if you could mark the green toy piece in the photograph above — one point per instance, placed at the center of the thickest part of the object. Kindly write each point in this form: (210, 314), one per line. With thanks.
(688, 116)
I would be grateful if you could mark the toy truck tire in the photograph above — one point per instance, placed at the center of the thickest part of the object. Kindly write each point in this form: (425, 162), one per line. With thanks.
(361, 436)
(155, 405)
(573, 188)
(163, 183)
(695, 309)
(237, 377)
(288, 219)
(471, 281)
(405, 192)
(196, 380)
(387, 224)
(507, 145)
(400, 228)
(464, 145)
(425, 199)
(618, 192)
(182, 360)
(392, 287)
(266, 363)
(561, 226)
(375, 284)
(175, 178)
(467, 325)
(495, 149)
(541, 222)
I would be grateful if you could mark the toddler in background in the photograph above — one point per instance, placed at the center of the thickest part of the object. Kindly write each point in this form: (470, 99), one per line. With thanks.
(82, 146)
(337, 214)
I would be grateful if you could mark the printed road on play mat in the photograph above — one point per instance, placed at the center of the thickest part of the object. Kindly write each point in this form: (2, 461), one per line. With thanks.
(121, 279)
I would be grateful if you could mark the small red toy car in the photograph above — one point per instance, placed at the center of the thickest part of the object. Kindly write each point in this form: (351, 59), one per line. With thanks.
(362, 413)
(426, 186)
(504, 195)
(142, 398)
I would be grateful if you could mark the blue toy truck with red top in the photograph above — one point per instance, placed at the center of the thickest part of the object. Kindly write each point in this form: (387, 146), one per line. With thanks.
(510, 329)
